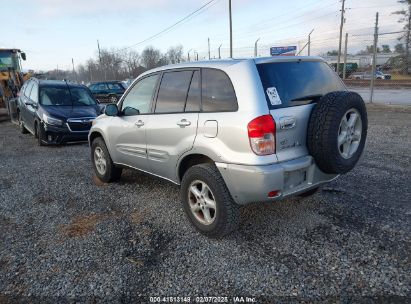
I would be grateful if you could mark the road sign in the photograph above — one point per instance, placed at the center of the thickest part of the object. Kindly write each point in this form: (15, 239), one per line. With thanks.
(283, 50)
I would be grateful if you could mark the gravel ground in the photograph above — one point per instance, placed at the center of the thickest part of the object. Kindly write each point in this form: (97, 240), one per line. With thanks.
(66, 237)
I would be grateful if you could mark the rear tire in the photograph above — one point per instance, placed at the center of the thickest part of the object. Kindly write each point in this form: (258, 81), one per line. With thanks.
(207, 201)
(103, 165)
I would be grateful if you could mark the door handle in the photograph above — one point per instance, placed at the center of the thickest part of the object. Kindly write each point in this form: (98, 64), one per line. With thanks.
(139, 123)
(184, 123)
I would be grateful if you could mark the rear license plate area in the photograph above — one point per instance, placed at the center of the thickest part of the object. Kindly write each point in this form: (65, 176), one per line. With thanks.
(295, 178)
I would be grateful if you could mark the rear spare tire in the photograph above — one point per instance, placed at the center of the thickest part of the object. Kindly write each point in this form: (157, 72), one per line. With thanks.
(337, 131)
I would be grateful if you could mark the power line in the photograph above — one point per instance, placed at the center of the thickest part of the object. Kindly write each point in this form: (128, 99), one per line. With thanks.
(170, 27)
(247, 30)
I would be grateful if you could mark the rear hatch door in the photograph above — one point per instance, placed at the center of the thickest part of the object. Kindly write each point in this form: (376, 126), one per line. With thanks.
(292, 88)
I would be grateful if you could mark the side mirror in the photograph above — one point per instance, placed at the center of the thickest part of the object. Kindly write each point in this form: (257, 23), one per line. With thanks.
(111, 110)
(129, 111)
(23, 56)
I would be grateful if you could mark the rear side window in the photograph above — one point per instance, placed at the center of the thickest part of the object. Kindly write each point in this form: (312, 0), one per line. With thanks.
(115, 86)
(288, 84)
(194, 94)
(217, 92)
(173, 92)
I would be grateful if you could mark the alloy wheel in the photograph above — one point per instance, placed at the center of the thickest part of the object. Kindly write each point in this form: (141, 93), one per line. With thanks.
(100, 161)
(202, 202)
(349, 133)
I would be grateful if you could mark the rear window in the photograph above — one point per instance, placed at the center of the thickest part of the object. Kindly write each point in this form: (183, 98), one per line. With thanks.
(289, 84)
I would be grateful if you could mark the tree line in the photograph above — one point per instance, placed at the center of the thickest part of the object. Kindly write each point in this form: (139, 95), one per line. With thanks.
(118, 64)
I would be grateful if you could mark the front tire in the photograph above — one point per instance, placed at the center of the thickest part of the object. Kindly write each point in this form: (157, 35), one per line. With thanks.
(103, 165)
(39, 134)
(207, 201)
(23, 130)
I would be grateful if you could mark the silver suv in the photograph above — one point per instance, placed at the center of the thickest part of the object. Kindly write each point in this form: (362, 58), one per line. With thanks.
(233, 132)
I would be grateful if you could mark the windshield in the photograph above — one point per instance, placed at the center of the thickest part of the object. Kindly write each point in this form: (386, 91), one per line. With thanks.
(65, 96)
(9, 60)
(295, 83)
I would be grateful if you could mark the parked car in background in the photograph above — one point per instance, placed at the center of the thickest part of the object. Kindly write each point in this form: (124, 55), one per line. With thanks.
(367, 75)
(126, 83)
(233, 132)
(107, 91)
(56, 112)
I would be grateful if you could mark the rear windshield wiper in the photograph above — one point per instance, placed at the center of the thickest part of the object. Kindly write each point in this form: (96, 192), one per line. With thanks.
(308, 97)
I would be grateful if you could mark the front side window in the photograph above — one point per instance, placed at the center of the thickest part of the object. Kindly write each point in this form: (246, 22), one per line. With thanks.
(99, 87)
(173, 92)
(27, 91)
(9, 59)
(34, 94)
(217, 92)
(140, 96)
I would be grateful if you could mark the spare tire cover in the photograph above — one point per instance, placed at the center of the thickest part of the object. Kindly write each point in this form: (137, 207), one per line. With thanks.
(337, 131)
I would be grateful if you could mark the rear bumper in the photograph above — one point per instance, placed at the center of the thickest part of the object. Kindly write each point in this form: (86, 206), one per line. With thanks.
(249, 184)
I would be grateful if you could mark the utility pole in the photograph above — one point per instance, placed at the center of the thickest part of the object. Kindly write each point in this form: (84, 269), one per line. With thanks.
(219, 51)
(255, 47)
(99, 56)
(341, 30)
(91, 74)
(209, 53)
(309, 42)
(57, 72)
(374, 58)
(74, 71)
(188, 55)
(407, 43)
(345, 56)
(231, 29)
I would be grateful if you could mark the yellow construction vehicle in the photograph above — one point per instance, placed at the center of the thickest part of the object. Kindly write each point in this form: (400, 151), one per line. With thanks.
(11, 75)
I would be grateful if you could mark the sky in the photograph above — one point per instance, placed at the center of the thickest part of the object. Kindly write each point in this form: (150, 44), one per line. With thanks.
(52, 32)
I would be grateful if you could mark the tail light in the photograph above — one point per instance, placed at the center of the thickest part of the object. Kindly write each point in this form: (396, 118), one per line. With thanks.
(261, 132)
